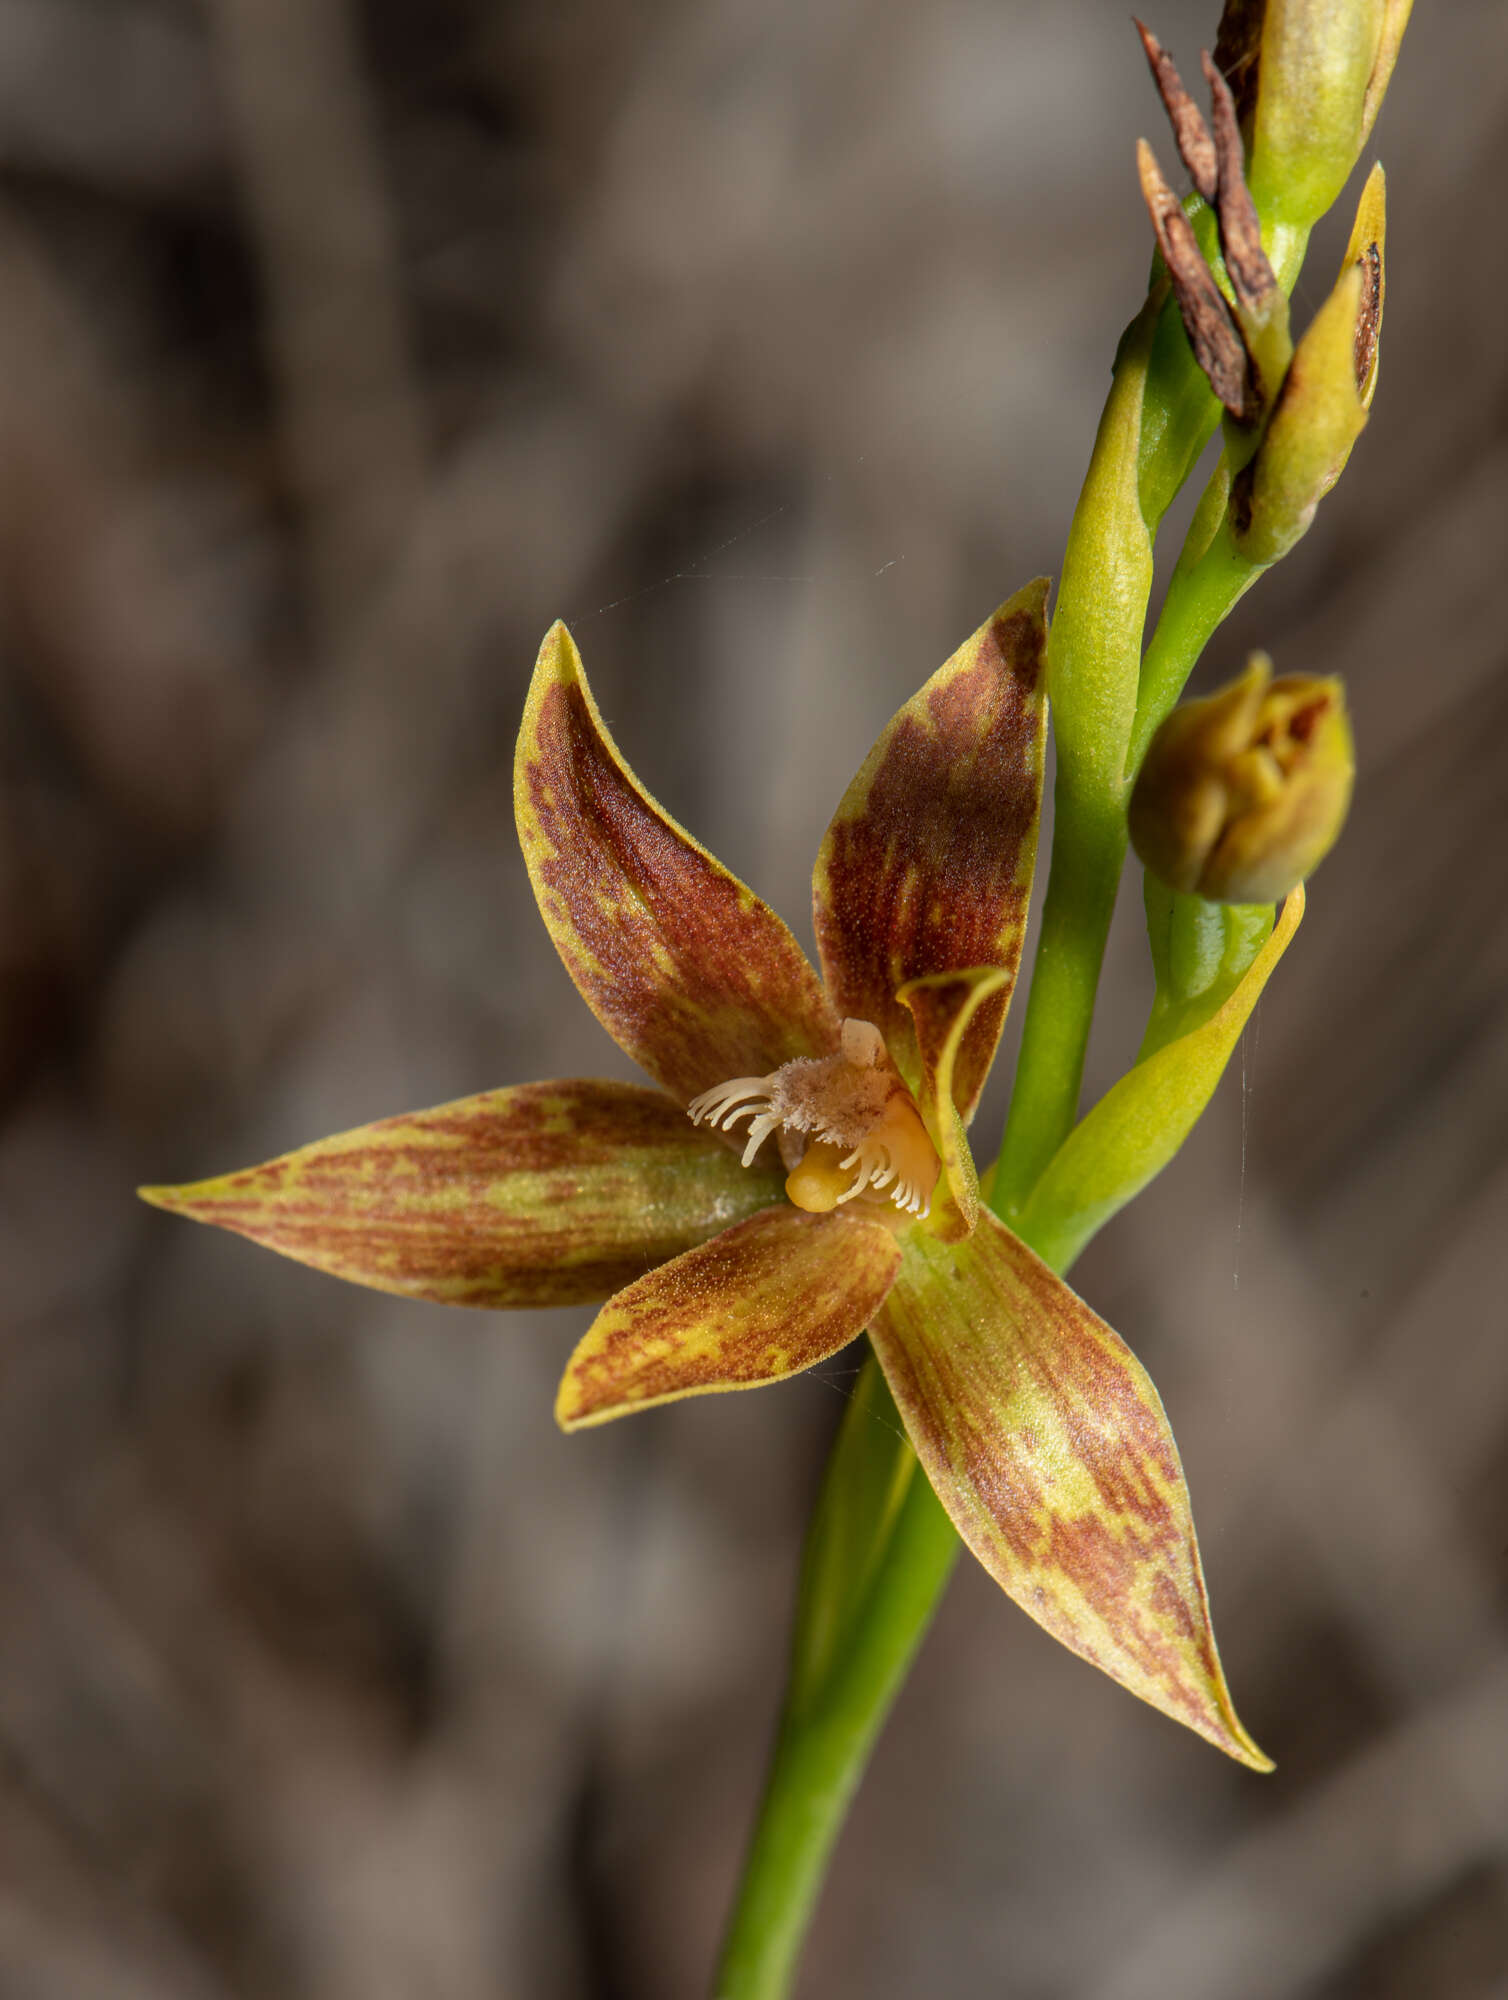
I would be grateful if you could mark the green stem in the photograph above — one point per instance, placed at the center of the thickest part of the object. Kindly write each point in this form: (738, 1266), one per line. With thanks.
(831, 1720)
(881, 1548)
(1088, 851)
(1200, 596)
(1094, 658)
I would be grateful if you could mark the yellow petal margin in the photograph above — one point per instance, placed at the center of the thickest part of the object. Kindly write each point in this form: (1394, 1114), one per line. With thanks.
(1142, 1120)
(927, 865)
(1049, 1448)
(689, 972)
(941, 1007)
(551, 1194)
(758, 1303)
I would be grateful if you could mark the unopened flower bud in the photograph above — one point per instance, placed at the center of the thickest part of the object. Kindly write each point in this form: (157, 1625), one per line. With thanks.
(1321, 67)
(1323, 405)
(1244, 347)
(1242, 793)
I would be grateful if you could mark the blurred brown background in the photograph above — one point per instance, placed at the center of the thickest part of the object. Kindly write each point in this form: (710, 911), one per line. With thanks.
(341, 348)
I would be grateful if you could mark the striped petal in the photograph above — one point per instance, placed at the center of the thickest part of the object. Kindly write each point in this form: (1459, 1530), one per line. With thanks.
(689, 972)
(764, 1300)
(927, 866)
(1048, 1446)
(548, 1195)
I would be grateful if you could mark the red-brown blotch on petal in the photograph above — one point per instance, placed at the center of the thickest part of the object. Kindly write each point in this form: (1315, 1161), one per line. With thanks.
(762, 1301)
(927, 865)
(550, 1194)
(1048, 1446)
(689, 972)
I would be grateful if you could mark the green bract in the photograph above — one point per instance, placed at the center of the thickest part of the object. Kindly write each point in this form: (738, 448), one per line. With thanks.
(1140, 1122)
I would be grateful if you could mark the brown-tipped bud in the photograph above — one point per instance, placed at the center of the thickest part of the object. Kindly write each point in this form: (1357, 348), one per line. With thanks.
(1318, 419)
(1196, 147)
(1208, 321)
(1242, 350)
(1243, 792)
(1261, 304)
(1324, 401)
(1252, 278)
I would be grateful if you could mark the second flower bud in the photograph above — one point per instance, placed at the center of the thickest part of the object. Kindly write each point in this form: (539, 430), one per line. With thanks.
(1243, 792)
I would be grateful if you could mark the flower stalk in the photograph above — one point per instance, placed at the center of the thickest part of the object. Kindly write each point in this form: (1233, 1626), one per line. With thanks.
(1057, 1181)
(878, 1556)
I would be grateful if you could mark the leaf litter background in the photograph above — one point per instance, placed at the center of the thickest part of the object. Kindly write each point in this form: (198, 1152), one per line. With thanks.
(342, 348)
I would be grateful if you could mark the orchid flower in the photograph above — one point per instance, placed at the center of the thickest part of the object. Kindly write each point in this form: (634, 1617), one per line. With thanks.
(800, 1173)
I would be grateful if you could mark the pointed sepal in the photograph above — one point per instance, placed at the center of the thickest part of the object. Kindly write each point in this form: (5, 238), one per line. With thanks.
(550, 1194)
(690, 973)
(1046, 1443)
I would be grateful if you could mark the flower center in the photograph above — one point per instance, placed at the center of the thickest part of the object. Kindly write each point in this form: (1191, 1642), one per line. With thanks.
(848, 1126)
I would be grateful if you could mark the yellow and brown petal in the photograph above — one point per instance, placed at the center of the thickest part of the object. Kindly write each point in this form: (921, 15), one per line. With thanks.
(549, 1194)
(1048, 1446)
(927, 865)
(762, 1301)
(690, 973)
